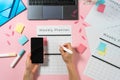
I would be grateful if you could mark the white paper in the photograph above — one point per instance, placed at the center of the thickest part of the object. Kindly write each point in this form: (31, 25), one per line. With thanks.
(56, 35)
(107, 67)
(110, 16)
(94, 33)
(99, 70)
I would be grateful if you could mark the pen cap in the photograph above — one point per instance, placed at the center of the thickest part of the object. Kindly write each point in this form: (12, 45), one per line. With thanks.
(21, 52)
(13, 54)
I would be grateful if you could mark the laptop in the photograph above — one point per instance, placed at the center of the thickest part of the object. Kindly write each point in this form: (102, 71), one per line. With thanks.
(53, 9)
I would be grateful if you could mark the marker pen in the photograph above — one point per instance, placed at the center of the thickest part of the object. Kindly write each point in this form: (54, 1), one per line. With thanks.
(67, 50)
(8, 55)
(17, 58)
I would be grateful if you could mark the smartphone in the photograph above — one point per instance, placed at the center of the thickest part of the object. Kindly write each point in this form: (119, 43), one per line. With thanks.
(36, 50)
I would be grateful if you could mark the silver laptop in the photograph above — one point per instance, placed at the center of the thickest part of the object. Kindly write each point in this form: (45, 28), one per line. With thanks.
(53, 9)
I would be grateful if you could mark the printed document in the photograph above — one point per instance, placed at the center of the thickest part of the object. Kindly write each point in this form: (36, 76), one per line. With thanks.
(56, 35)
(110, 16)
(106, 66)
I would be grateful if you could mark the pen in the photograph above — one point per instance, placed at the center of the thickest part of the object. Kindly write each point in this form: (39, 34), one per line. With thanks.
(17, 58)
(8, 55)
(67, 50)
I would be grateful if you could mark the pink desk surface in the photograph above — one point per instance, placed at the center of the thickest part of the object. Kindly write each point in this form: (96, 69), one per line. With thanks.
(79, 36)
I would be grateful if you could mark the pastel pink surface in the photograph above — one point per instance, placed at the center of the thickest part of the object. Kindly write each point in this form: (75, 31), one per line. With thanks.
(7, 73)
(101, 8)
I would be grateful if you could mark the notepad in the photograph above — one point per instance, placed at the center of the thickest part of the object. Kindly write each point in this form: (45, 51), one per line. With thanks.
(19, 28)
(81, 48)
(102, 53)
(101, 8)
(22, 40)
(100, 2)
(102, 46)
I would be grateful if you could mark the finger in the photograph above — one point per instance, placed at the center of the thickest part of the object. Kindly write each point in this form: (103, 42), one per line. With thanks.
(61, 50)
(68, 45)
(28, 62)
(36, 66)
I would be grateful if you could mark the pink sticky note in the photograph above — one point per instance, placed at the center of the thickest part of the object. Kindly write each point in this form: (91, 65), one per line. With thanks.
(81, 48)
(45, 42)
(101, 8)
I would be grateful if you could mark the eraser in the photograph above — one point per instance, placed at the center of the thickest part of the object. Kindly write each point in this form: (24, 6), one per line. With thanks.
(19, 28)
(81, 48)
(102, 47)
(101, 8)
(23, 39)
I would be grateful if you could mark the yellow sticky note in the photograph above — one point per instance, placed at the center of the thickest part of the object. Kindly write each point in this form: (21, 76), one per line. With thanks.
(19, 28)
(102, 53)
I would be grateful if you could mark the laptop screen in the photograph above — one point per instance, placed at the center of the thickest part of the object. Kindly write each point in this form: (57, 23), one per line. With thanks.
(52, 2)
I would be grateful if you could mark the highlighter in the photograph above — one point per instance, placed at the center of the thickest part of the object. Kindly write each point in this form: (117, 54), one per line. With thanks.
(15, 61)
(8, 55)
(67, 50)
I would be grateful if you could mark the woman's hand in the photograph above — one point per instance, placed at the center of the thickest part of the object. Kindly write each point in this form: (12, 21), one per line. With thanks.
(30, 69)
(68, 58)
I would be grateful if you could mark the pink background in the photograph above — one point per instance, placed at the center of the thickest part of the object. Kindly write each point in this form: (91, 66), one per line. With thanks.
(7, 73)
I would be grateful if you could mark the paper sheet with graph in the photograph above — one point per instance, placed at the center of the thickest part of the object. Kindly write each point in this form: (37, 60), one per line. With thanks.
(104, 63)
(56, 35)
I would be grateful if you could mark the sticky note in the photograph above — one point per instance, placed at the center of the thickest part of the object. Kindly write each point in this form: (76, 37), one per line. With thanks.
(102, 47)
(19, 28)
(22, 40)
(45, 41)
(100, 2)
(81, 48)
(102, 53)
(101, 8)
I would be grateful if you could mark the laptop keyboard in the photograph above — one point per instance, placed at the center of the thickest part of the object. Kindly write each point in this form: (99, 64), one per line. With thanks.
(51, 2)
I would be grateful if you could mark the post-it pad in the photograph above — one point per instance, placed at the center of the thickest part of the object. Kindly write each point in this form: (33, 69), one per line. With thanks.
(19, 28)
(102, 53)
(23, 39)
(81, 48)
(100, 2)
(101, 8)
(102, 47)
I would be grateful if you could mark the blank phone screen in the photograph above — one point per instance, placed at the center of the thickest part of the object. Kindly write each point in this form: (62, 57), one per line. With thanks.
(37, 50)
